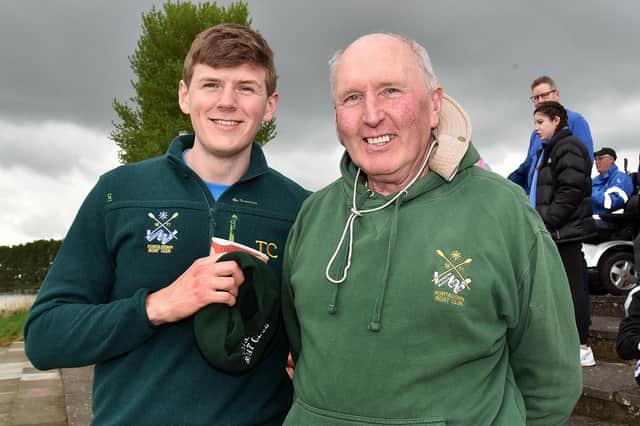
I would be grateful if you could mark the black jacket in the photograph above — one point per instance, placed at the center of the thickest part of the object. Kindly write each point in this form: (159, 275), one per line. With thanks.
(629, 331)
(563, 195)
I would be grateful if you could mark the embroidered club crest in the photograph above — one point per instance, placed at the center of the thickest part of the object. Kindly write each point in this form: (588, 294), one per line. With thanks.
(451, 281)
(161, 232)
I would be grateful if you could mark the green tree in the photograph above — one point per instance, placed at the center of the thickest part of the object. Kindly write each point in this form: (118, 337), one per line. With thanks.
(152, 118)
(24, 266)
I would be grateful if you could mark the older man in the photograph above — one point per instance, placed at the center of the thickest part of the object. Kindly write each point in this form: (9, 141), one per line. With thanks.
(612, 188)
(418, 288)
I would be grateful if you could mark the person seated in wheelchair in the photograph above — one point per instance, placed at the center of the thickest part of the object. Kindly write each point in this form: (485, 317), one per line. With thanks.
(610, 192)
(611, 189)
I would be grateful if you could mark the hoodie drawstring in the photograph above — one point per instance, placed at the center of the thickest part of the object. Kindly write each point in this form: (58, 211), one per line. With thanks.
(374, 324)
(348, 227)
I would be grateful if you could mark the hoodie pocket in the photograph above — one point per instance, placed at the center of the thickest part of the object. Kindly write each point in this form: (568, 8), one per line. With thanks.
(302, 413)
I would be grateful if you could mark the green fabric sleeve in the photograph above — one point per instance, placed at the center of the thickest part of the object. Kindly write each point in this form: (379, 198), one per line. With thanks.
(73, 321)
(544, 344)
(289, 314)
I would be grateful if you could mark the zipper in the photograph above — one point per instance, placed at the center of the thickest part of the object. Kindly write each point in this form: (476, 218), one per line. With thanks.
(210, 209)
(232, 227)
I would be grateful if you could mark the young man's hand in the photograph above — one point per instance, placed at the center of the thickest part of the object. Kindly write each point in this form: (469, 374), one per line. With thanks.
(205, 282)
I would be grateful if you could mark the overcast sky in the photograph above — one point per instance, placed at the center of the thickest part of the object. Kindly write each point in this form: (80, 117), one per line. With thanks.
(62, 63)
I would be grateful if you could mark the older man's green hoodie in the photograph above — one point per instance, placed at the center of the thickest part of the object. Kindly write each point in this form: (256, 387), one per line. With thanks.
(455, 310)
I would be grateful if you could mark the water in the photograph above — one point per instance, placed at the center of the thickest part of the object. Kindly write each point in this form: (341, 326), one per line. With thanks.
(10, 302)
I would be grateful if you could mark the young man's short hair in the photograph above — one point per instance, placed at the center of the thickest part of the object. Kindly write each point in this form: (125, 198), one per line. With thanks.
(231, 45)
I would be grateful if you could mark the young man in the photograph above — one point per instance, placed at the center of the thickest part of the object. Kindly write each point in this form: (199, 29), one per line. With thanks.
(134, 267)
(401, 307)
(543, 89)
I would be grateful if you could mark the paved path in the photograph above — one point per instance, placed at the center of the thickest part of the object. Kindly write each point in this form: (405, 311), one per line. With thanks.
(33, 397)
(63, 397)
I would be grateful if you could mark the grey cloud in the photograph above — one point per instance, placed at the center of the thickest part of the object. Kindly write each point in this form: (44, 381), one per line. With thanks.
(54, 149)
(65, 62)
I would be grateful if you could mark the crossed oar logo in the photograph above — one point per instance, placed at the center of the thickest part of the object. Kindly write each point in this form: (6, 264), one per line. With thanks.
(456, 268)
(162, 231)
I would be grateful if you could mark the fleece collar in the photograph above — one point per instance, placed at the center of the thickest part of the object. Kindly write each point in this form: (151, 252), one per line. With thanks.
(257, 165)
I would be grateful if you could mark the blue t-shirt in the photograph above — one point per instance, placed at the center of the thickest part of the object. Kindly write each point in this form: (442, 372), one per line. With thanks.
(215, 188)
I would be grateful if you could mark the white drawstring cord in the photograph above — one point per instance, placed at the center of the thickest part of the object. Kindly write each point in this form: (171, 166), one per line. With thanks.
(355, 213)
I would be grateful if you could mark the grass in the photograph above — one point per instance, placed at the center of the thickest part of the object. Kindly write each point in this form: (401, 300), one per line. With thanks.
(11, 324)
(12, 318)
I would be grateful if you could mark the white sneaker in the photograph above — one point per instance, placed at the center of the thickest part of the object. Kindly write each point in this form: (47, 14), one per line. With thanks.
(586, 357)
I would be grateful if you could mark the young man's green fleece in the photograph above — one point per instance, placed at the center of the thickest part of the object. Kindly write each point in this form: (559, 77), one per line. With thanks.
(91, 308)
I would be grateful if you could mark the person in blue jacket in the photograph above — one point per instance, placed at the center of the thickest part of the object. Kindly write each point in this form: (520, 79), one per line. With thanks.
(543, 89)
(612, 188)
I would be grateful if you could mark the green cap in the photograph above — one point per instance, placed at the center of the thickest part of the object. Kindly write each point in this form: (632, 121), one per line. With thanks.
(234, 338)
